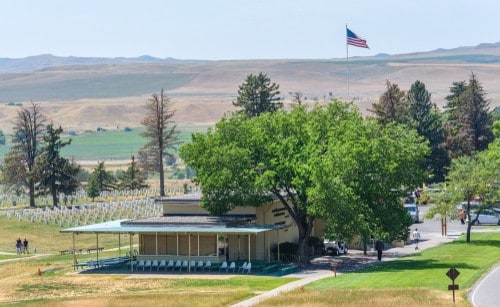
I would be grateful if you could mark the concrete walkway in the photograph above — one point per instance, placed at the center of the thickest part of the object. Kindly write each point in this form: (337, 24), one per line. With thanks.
(306, 276)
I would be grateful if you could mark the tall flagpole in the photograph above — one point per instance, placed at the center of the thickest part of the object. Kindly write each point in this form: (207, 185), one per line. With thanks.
(347, 53)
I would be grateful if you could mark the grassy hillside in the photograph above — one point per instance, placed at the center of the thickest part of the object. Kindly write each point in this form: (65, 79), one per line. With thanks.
(82, 97)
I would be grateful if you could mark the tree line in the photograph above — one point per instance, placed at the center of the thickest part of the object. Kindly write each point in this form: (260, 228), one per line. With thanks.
(324, 161)
(329, 162)
(35, 163)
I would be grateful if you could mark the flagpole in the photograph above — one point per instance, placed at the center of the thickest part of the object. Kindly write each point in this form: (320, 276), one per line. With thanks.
(347, 57)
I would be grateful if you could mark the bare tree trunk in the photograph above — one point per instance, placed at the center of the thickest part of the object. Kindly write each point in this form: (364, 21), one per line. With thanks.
(32, 193)
(162, 176)
(469, 224)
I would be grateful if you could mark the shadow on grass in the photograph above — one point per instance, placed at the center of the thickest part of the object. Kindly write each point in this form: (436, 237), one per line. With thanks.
(414, 265)
(492, 243)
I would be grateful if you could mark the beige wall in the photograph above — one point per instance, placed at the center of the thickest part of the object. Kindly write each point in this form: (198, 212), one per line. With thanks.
(166, 244)
(261, 244)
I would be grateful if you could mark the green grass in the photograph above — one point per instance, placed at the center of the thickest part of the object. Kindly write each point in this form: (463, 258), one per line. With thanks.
(427, 268)
(416, 280)
(117, 144)
(113, 144)
(49, 240)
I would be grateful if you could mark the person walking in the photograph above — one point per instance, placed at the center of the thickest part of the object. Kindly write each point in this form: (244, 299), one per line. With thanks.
(379, 246)
(416, 237)
(19, 246)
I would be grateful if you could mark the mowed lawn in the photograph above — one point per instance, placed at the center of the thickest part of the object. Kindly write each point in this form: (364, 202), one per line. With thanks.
(416, 280)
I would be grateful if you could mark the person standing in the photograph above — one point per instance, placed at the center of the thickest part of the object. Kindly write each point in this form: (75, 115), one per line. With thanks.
(379, 246)
(18, 246)
(461, 216)
(25, 246)
(416, 237)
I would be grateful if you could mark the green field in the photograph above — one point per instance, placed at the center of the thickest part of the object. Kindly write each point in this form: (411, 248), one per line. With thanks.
(113, 144)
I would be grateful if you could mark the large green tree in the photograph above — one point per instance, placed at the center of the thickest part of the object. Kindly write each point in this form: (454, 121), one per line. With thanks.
(391, 106)
(469, 123)
(424, 118)
(54, 172)
(161, 133)
(475, 177)
(29, 128)
(258, 95)
(309, 161)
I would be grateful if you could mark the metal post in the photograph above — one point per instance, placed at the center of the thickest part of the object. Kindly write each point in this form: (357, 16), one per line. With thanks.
(249, 254)
(131, 254)
(97, 248)
(189, 253)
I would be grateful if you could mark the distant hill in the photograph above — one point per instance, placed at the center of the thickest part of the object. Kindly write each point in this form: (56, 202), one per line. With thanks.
(38, 62)
(84, 93)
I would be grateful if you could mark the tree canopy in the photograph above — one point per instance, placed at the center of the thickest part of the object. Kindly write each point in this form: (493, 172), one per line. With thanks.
(423, 117)
(327, 163)
(54, 172)
(391, 106)
(258, 95)
(469, 123)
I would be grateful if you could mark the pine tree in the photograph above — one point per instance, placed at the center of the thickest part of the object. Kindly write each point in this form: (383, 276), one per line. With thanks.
(469, 125)
(427, 121)
(56, 173)
(100, 180)
(162, 135)
(391, 106)
(133, 178)
(257, 95)
(29, 128)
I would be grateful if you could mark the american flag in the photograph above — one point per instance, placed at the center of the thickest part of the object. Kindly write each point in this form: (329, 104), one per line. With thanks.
(355, 40)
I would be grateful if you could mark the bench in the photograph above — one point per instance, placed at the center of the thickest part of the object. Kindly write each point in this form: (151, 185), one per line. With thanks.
(100, 249)
(288, 270)
(270, 268)
(70, 251)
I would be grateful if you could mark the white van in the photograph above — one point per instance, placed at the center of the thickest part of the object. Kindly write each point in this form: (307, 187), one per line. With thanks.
(413, 211)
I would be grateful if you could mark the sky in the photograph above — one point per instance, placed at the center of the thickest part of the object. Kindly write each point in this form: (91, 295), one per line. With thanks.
(241, 29)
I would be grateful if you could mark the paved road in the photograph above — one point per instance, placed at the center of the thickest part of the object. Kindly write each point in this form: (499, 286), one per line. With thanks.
(485, 293)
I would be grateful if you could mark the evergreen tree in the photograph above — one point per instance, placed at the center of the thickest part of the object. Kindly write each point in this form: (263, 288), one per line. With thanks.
(162, 135)
(391, 106)
(133, 178)
(469, 125)
(56, 173)
(426, 120)
(257, 95)
(100, 180)
(29, 128)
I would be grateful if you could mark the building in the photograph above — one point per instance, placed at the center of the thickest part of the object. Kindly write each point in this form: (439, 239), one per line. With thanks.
(185, 231)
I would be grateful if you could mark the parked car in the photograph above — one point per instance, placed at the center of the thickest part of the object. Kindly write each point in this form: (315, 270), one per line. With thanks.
(334, 248)
(487, 216)
(413, 211)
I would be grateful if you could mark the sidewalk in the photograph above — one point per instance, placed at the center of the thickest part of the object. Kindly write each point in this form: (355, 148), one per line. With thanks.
(354, 260)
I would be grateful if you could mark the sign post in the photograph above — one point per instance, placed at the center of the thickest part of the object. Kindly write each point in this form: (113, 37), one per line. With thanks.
(452, 274)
